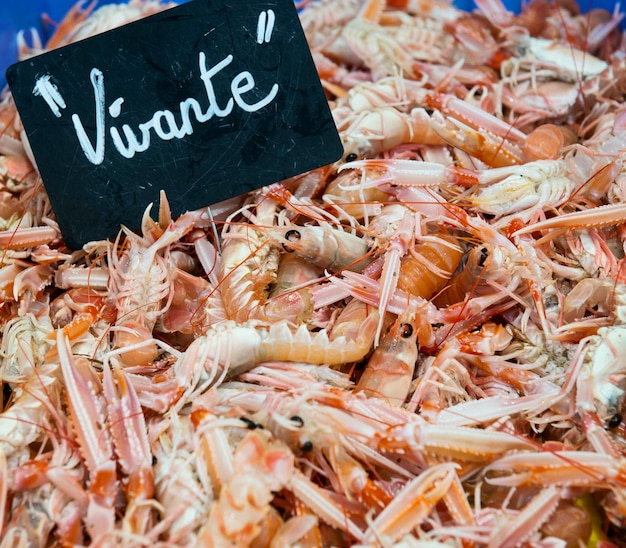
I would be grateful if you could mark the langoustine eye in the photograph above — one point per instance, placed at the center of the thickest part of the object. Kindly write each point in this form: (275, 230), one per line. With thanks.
(614, 421)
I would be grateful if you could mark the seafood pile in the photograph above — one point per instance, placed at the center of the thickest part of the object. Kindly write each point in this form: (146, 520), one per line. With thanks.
(422, 344)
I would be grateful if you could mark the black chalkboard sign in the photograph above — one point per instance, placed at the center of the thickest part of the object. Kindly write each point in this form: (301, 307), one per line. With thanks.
(206, 101)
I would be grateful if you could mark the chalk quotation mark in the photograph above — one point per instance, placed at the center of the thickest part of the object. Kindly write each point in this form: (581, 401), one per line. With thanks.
(50, 94)
(265, 26)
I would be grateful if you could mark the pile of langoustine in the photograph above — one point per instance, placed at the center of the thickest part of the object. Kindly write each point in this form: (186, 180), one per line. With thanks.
(419, 345)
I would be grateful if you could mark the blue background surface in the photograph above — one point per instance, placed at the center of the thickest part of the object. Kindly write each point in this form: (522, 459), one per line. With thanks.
(24, 14)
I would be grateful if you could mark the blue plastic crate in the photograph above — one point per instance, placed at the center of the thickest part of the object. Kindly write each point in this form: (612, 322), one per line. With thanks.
(24, 14)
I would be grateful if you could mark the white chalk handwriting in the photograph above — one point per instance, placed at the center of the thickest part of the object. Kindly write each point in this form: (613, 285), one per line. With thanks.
(164, 124)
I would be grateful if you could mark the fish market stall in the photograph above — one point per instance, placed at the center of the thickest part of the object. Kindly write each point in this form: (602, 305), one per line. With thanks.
(420, 342)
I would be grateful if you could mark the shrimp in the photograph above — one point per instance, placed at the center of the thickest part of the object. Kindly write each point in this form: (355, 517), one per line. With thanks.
(129, 435)
(248, 264)
(393, 91)
(593, 294)
(49, 487)
(73, 277)
(559, 468)
(565, 62)
(412, 183)
(321, 20)
(394, 231)
(262, 466)
(25, 419)
(425, 38)
(231, 348)
(460, 443)
(480, 266)
(87, 414)
(353, 198)
(184, 493)
(335, 78)
(429, 265)
(33, 381)
(373, 132)
(412, 505)
(290, 295)
(389, 370)
(31, 521)
(515, 530)
(328, 248)
(310, 429)
(521, 191)
(378, 49)
(590, 248)
(546, 142)
(596, 217)
(140, 283)
(16, 173)
(573, 521)
(24, 346)
(601, 383)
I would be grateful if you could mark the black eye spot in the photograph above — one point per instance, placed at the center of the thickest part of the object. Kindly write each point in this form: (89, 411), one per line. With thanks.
(297, 419)
(406, 330)
(484, 254)
(614, 421)
(6, 392)
(154, 460)
(250, 424)
(351, 157)
(293, 236)
(307, 446)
